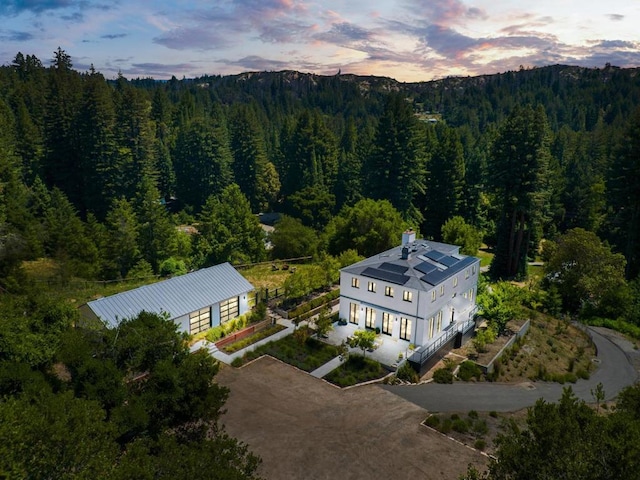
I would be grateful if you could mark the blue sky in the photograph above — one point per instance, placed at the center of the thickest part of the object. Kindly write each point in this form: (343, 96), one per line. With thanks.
(409, 40)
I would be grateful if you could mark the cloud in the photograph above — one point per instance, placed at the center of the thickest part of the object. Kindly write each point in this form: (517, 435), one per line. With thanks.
(15, 7)
(444, 12)
(113, 36)
(200, 37)
(345, 33)
(75, 17)
(616, 44)
(284, 31)
(158, 70)
(447, 41)
(615, 17)
(258, 63)
(13, 36)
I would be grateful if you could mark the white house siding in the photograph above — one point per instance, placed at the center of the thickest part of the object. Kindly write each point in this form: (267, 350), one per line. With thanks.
(421, 308)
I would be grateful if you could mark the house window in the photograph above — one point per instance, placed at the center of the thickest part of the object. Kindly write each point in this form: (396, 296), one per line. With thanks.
(473, 270)
(229, 309)
(441, 290)
(355, 282)
(455, 281)
(464, 295)
(439, 321)
(372, 287)
(387, 323)
(405, 328)
(369, 317)
(407, 296)
(353, 313)
(199, 321)
(433, 295)
(431, 327)
(471, 295)
(388, 291)
(466, 273)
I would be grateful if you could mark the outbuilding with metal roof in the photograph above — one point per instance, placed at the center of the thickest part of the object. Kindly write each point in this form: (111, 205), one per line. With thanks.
(196, 301)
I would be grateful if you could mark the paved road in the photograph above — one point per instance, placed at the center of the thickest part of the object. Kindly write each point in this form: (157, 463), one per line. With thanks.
(615, 371)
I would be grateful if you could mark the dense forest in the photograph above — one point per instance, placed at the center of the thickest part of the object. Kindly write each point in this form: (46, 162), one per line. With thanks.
(118, 178)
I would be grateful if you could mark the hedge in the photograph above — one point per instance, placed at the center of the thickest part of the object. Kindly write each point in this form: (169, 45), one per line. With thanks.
(313, 304)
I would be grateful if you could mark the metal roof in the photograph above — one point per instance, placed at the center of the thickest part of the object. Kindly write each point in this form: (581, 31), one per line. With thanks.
(177, 296)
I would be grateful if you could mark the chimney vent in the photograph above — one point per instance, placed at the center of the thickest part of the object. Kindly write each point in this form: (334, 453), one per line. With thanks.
(405, 253)
(408, 236)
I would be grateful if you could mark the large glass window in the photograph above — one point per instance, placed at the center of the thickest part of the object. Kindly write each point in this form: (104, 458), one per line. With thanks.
(369, 317)
(353, 313)
(229, 309)
(405, 328)
(430, 327)
(439, 321)
(387, 323)
(199, 321)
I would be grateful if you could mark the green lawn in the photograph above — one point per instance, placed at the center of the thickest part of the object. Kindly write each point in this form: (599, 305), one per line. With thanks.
(485, 256)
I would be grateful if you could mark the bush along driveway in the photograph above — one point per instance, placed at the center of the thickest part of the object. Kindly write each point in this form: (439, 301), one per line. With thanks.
(614, 371)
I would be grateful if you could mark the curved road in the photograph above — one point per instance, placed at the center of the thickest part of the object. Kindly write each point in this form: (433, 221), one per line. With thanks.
(615, 371)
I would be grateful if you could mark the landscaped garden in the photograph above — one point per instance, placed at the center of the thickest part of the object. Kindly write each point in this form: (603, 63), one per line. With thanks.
(299, 349)
(357, 369)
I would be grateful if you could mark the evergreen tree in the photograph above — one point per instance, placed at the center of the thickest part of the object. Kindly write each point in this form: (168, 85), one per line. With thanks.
(228, 230)
(444, 196)
(518, 170)
(202, 161)
(397, 167)
(123, 251)
(624, 195)
(101, 163)
(349, 183)
(157, 236)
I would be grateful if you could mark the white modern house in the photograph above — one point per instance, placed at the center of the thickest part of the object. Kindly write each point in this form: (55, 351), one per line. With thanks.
(195, 301)
(420, 292)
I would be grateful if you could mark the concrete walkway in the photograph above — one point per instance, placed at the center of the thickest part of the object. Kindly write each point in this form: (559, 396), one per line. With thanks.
(323, 370)
(615, 371)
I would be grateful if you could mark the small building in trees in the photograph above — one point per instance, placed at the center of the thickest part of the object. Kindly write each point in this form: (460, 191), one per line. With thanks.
(420, 292)
(196, 301)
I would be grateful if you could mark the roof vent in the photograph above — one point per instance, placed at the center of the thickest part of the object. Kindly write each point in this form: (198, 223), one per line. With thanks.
(405, 253)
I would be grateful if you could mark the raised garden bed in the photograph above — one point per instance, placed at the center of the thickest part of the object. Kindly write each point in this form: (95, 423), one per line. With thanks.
(357, 369)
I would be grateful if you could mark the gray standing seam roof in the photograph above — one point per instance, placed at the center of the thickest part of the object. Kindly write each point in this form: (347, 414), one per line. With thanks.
(177, 296)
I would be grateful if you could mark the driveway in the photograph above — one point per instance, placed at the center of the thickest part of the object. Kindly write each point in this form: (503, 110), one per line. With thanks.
(302, 427)
(615, 370)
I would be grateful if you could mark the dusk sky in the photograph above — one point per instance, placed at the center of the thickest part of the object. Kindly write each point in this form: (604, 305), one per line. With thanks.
(409, 40)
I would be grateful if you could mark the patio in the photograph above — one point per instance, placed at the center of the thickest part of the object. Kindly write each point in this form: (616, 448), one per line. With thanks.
(386, 349)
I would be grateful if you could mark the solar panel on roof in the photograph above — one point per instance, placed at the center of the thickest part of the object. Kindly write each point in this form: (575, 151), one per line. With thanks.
(392, 267)
(434, 255)
(425, 267)
(436, 277)
(448, 261)
(385, 275)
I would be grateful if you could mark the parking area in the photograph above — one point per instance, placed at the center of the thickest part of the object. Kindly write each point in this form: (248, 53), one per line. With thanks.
(303, 427)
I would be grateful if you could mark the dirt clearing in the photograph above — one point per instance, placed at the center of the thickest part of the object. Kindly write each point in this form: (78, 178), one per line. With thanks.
(304, 428)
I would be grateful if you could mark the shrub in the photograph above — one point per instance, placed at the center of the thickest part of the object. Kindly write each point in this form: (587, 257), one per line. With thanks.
(173, 266)
(480, 427)
(443, 375)
(583, 374)
(472, 414)
(460, 426)
(407, 373)
(468, 370)
(433, 421)
(237, 362)
(493, 414)
(455, 416)
(480, 444)
(445, 427)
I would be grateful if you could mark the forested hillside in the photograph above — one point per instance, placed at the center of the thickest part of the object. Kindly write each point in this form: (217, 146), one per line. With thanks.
(111, 179)
(98, 173)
